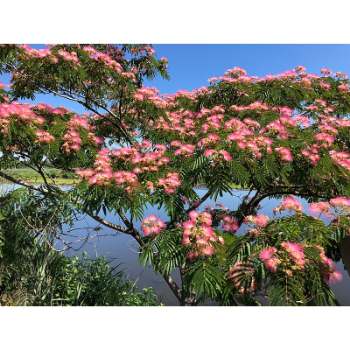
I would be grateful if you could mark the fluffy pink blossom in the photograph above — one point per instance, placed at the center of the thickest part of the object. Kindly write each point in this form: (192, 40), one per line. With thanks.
(341, 158)
(170, 183)
(325, 71)
(152, 225)
(320, 208)
(267, 253)
(199, 235)
(271, 262)
(331, 275)
(43, 136)
(312, 153)
(343, 87)
(296, 252)
(335, 277)
(341, 201)
(229, 224)
(258, 220)
(289, 203)
(285, 153)
(325, 139)
(324, 85)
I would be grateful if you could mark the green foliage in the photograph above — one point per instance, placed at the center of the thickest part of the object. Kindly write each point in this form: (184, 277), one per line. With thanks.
(164, 252)
(33, 273)
(206, 279)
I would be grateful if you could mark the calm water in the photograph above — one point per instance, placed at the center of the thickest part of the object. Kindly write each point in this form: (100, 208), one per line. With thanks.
(88, 236)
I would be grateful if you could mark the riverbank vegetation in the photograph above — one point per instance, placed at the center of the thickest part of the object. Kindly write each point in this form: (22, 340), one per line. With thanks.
(32, 272)
(54, 176)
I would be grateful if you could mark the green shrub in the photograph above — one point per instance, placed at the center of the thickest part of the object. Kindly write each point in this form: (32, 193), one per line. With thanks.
(33, 273)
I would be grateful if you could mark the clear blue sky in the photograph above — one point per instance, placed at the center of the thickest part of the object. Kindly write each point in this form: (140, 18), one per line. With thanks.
(190, 66)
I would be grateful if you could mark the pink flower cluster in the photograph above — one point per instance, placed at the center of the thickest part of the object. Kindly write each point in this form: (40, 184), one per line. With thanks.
(341, 202)
(289, 203)
(325, 208)
(142, 157)
(72, 139)
(38, 53)
(170, 182)
(152, 225)
(186, 150)
(199, 235)
(138, 159)
(218, 154)
(341, 158)
(229, 224)
(284, 153)
(43, 136)
(103, 174)
(270, 260)
(255, 106)
(312, 153)
(296, 252)
(297, 76)
(41, 53)
(68, 56)
(43, 107)
(236, 71)
(151, 95)
(329, 268)
(105, 59)
(245, 138)
(324, 139)
(320, 208)
(259, 220)
(72, 56)
(343, 87)
(18, 112)
(149, 50)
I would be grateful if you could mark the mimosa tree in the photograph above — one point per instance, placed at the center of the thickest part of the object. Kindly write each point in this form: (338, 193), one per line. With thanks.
(284, 136)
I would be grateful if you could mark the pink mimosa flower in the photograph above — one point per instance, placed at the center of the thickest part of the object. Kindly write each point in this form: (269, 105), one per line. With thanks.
(272, 264)
(290, 203)
(335, 277)
(296, 252)
(152, 225)
(267, 253)
(230, 224)
(320, 208)
(44, 136)
(285, 154)
(258, 220)
(341, 201)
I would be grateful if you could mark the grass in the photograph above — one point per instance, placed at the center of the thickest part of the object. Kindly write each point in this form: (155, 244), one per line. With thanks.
(30, 176)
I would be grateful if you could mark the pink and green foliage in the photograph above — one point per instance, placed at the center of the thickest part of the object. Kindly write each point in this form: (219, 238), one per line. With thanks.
(283, 136)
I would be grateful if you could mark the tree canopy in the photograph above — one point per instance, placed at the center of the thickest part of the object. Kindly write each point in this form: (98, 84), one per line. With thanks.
(284, 136)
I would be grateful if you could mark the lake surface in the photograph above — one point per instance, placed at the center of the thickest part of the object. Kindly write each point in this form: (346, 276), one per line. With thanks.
(88, 236)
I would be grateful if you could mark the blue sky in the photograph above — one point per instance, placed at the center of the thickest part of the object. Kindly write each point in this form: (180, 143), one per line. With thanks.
(190, 66)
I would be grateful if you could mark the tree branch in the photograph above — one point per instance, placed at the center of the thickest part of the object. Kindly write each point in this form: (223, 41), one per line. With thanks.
(70, 97)
(199, 202)
(108, 224)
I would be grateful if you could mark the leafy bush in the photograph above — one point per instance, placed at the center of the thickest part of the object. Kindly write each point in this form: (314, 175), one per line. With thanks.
(32, 273)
